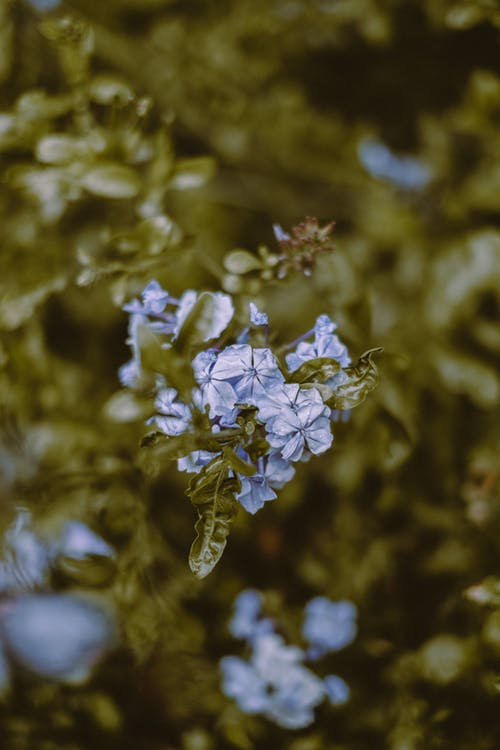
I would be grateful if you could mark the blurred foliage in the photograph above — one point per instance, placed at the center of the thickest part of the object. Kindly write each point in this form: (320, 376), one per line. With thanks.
(112, 120)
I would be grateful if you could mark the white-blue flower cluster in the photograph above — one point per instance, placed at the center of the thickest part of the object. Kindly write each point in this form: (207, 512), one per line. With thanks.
(27, 557)
(291, 420)
(58, 636)
(405, 172)
(274, 682)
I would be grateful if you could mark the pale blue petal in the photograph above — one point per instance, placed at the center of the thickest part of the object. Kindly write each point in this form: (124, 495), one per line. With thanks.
(329, 626)
(78, 541)
(257, 318)
(241, 682)
(58, 636)
(337, 690)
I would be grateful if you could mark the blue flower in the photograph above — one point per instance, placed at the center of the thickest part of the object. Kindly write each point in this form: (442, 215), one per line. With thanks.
(329, 626)
(195, 461)
(27, 557)
(276, 671)
(175, 416)
(294, 430)
(403, 171)
(337, 691)
(241, 682)
(130, 373)
(250, 371)
(279, 233)
(278, 471)
(290, 395)
(154, 300)
(326, 344)
(255, 491)
(219, 395)
(57, 636)
(79, 542)
(274, 682)
(257, 318)
(292, 704)
(44, 5)
(247, 607)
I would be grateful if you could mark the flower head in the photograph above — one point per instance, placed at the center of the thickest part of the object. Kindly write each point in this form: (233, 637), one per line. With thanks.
(255, 491)
(294, 430)
(257, 318)
(175, 416)
(250, 371)
(329, 626)
(218, 395)
(326, 344)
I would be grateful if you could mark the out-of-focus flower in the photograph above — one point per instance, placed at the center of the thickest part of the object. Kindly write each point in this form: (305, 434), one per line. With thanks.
(57, 636)
(297, 695)
(336, 689)
(328, 626)
(26, 559)
(247, 607)
(280, 234)
(154, 300)
(241, 682)
(78, 541)
(44, 5)
(403, 171)
(175, 417)
(274, 682)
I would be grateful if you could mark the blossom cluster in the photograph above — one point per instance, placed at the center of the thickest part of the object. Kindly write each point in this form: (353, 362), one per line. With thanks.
(275, 682)
(271, 416)
(59, 636)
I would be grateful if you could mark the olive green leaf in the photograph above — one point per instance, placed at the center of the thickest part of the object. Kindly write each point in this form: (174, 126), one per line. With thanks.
(361, 378)
(111, 181)
(208, 318)
(212, 492)
(192, 173)
(241, 261)
(317, 370)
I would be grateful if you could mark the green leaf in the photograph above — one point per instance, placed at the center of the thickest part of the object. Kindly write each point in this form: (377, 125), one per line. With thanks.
(124, 406)
(57, 148)
(111, 181)
(361, 379)
(93, 571)
(212, 492)
(485, 593)
(151, 236)
(241, 262)
(237, 464)
(165, 361)
(207, 320)
(109, 89)
(317, 370)
(192, 173)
